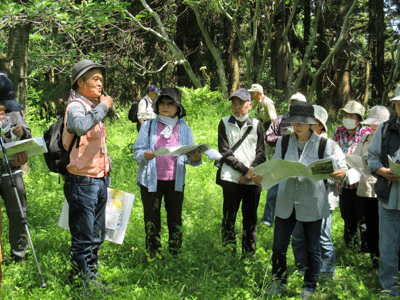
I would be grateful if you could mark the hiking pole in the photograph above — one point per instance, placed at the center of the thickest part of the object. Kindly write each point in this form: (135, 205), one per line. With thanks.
(25, 222)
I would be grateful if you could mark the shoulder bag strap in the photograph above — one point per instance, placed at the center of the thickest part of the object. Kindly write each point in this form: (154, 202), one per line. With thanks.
(239, 142)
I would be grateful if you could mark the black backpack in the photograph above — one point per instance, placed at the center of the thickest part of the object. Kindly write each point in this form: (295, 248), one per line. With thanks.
(57, 158)
(132, 115)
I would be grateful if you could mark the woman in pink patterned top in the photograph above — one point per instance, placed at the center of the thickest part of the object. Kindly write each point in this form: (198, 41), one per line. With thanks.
(352, 206)
(164, 176)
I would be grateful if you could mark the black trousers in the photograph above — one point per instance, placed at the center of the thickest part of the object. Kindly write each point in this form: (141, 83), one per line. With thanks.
(249, 195)
(352, 211)
(371, 211)
(152, 216)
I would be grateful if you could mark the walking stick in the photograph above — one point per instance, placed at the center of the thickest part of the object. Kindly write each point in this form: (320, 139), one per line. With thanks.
(3, 132)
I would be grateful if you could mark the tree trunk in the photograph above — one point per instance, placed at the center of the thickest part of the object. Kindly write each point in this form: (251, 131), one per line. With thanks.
(279, 53)
(231, 57)
(380, 47)
(343, 75)
(17, 61)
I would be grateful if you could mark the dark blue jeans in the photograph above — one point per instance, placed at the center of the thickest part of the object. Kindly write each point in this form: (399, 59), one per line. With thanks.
(87, 198)
(282, 231)
(269, 210)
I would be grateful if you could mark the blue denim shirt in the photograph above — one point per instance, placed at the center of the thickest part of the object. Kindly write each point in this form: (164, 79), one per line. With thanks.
(147, 173)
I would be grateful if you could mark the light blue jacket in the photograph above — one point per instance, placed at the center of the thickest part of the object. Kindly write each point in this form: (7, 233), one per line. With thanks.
(147, 173)
(309, 199)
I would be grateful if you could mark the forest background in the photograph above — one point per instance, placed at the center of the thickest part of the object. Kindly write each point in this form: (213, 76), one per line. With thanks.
(332, 51)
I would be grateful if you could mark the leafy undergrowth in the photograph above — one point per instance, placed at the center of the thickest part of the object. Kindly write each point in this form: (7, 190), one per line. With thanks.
(203, 269)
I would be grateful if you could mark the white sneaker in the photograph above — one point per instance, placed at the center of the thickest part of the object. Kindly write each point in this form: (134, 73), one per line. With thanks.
(269, 224)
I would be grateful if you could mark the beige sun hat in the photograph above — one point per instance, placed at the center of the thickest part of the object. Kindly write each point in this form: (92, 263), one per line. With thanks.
(396, 94)
(321, 115)
(298, 97)
(354, 107)
(377, 115)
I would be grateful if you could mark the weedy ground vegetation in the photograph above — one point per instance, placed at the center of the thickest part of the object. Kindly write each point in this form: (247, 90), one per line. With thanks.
(202, 270)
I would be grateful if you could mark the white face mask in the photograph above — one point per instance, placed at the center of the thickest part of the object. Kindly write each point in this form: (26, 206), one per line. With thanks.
(242, 118)
(349, 123)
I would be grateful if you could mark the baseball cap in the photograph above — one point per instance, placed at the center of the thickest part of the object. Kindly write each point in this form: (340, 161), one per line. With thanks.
(153, 88)
(242, 94)
(256, 88)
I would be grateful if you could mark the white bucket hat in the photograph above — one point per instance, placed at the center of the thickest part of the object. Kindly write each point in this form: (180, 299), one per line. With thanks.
(256, 88)
(298, 97)
(396, 94)
(321, 115)
(354, 107)
(377, 115)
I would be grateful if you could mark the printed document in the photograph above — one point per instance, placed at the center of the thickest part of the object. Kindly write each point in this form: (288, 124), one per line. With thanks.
(212, 154)
(118, 210)
(278, 170)
(31, 147)
(394, 166)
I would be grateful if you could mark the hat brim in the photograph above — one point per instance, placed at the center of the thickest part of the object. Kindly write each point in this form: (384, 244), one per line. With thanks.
(231, 97)
(323, 123)
(372, 121)
(182, 111)
(12, 105)
(397, 98)
(350, 112)
(300, 119)
(87, 68)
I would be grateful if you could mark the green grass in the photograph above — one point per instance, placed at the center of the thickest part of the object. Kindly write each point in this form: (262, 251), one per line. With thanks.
(203, 269)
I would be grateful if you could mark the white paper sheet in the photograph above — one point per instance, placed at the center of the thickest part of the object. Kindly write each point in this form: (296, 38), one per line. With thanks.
(118, 210)
(278, 170)
(31, 147)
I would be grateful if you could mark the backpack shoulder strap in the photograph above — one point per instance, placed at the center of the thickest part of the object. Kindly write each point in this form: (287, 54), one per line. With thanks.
(284, 145)
(321, 148)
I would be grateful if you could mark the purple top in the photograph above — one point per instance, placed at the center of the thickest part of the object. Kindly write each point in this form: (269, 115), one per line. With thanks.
(166, 165)
(276, 130)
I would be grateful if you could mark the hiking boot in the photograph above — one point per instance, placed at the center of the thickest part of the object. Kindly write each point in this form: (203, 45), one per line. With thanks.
(94, 285)
(305, 294)
(276, 288)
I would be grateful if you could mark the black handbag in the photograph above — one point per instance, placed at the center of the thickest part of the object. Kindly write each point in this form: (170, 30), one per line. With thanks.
(218, 163)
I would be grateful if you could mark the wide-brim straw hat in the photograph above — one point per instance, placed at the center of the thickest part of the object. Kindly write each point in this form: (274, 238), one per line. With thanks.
(300, 112)
(354, 107)
(377, 115)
